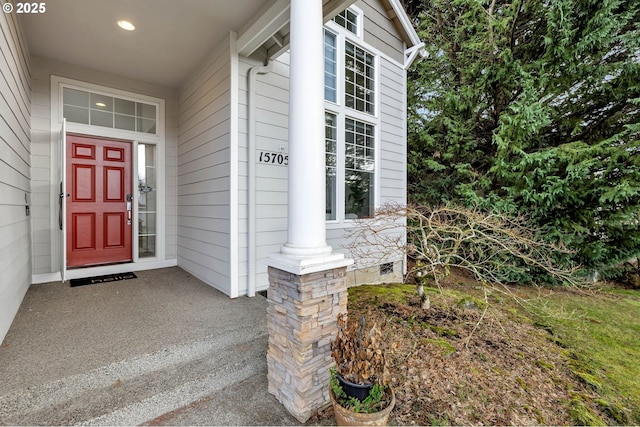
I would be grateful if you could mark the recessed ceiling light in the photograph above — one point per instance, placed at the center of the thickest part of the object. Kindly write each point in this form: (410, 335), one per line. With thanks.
(126, 25)
(101, 104)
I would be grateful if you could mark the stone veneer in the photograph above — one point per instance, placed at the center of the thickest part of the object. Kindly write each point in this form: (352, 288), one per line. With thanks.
(301, 322)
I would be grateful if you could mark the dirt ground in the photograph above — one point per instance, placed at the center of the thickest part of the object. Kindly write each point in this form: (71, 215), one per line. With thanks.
(472, 359)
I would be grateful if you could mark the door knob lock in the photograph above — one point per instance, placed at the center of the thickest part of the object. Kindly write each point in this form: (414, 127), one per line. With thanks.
(129, 201)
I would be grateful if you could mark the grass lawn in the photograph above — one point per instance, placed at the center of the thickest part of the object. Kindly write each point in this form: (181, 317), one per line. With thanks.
(601, 333)
(563, 357)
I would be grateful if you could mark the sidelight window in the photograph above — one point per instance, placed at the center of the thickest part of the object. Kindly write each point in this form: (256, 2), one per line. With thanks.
(147, 200)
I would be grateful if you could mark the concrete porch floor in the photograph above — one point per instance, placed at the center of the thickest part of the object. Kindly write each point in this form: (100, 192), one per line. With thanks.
(162, 349)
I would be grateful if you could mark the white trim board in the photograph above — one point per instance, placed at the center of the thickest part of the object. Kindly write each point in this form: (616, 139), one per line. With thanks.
(107, 269)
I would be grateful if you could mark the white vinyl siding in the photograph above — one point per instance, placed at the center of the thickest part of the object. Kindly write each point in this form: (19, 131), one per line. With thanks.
(272, 132)
(45, 175)
(271, 136)
(393, 150)
(204, 151)
(15, 169)
(379, 30)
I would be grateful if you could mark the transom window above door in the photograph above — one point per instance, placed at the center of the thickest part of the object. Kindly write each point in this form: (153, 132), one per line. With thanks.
(96, 109)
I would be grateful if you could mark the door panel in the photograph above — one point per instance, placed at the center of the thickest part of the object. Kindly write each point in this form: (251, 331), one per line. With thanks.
(114, 229)
(114, 184)
(84, 225)
(99, 176)
(84, 183)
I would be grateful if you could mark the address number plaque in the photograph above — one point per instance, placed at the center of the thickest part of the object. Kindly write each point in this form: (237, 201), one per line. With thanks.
(272, 158)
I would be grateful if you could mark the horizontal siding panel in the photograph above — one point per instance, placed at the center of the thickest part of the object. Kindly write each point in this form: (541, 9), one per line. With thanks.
(264, 199)
(218, 186)
(203, 156)
(12, 196)
(15, 169)
(19, 275)
(391, 106)
(393, 75)
(208, 274)
(393, 132)
(216, 177)
(212, 258)
(210, 241)
(205, 94)
(217, 112)
(275, 211)
(198, 221)
(277, 172)
(12, 227)
(212, 140)
(209, 162)
(393, 152)
(273, 118)
(14, 177)
(272, 183)
(9, 155)
(17, 126)
(379, 31)
(269, 238)
(216, 61)
(14, 80)
(267, 94)
(270, 132)
(267, 224)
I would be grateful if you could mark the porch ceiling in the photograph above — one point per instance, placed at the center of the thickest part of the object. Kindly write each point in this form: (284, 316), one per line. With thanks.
(171, 38)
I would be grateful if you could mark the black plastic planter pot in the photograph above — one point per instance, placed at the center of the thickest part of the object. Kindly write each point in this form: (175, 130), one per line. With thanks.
(358, 391)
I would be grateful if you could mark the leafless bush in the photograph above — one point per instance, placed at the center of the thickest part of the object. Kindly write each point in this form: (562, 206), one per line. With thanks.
(493, 247)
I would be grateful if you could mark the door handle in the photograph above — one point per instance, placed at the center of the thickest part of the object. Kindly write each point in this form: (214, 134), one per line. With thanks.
(61, 196)
(129, 200)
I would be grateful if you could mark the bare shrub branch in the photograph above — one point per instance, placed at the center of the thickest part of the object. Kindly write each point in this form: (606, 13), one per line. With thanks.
(493, 247)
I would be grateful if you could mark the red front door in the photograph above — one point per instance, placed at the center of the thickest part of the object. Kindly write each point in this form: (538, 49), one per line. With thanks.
(98, 212)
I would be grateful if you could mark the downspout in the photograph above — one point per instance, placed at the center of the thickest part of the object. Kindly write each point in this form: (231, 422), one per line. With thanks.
(251, 170)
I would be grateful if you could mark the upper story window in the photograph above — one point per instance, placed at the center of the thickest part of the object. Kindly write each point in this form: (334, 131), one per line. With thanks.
(95, 109)
(359, 73)
(330, 66)
(348, 19)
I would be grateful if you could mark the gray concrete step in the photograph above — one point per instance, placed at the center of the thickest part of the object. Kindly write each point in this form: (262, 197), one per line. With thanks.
(143, 388)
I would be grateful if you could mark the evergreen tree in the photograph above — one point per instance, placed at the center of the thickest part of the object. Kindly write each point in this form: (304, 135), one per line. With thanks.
(533, 106)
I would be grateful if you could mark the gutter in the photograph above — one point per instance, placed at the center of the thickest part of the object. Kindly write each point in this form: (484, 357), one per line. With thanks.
(251, 168)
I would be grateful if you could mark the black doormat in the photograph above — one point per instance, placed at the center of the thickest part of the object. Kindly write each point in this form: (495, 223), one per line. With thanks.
(102, 279)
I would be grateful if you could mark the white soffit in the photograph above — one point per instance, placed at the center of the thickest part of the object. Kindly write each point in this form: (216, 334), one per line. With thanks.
(171, 39)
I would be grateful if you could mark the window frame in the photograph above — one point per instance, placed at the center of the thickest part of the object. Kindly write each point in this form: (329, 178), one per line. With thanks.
(359, 22)
(342, 112)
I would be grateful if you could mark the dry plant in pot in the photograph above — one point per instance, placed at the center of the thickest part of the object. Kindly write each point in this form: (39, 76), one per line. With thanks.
(359, 384)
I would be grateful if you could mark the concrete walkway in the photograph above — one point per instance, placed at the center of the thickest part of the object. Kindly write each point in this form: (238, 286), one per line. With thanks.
(162, 349)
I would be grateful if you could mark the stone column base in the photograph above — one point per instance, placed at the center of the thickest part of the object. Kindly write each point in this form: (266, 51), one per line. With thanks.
(301, 322)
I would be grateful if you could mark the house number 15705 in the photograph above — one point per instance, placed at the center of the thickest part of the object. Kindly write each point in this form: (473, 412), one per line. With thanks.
(273, 158)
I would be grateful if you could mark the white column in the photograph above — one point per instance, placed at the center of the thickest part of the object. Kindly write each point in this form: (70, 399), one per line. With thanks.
(306, 233)
(306, 237)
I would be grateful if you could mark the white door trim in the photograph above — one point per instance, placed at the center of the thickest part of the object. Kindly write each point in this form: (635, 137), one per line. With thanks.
(158, 139)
